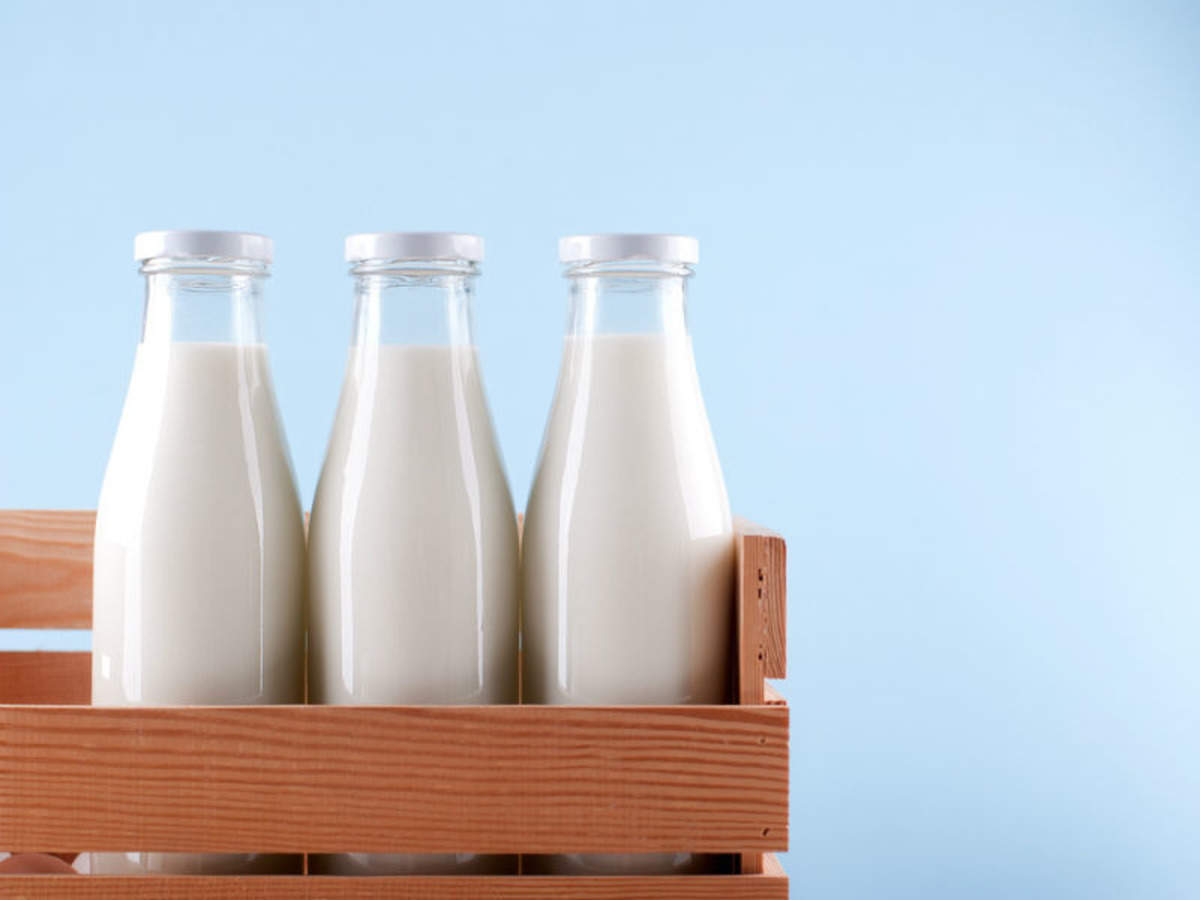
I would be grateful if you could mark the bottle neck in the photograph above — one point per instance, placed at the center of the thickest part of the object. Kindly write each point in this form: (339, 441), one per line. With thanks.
(418, 302)
(203, 300)
(628, 297)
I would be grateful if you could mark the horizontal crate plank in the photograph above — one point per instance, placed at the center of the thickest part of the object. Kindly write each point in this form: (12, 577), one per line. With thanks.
(189, 887)
(45, 677)
(46, 574)
(46, 568)
(500, 779)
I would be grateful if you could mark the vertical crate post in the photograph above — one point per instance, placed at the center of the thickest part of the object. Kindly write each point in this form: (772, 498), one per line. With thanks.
(761, 625)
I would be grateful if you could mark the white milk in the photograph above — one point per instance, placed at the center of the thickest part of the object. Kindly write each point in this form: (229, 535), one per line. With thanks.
(412, 554)
(629, 556)
(628, 553)
(199, 553)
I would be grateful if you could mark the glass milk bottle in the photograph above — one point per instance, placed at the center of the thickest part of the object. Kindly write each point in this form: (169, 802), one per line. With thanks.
(413, 554)
(198, 594)
(628, 553)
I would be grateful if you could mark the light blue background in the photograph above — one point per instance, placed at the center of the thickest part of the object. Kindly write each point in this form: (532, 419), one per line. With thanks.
(946, 321)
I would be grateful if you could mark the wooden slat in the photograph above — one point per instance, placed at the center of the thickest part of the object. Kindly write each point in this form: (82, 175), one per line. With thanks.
(772, 697)
(761, 624)
(45, 677)
(762, 610)
(772, 868)
(499, 779)
(762, 577)
(46, 568)
(266, 887)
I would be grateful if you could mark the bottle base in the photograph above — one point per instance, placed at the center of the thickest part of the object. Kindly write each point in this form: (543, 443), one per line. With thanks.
(411, 864)
(194, 864)
(629, 864)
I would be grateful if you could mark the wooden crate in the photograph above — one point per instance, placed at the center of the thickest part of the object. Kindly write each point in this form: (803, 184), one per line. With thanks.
(305, 779)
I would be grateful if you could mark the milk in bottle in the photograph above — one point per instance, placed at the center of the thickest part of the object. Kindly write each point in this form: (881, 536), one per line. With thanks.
(413, 556)
(628, 552)
(198, 593)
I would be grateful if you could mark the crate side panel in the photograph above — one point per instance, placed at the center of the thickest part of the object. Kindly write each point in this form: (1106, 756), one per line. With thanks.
(502, 779)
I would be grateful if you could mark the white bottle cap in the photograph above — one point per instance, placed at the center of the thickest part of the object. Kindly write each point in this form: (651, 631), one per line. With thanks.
(203, 244)
(676, 248)
(414, 245)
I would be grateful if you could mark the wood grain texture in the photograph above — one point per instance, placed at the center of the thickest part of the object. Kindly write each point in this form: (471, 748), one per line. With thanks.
(499, 779)
(762, 589)
(46, 571)
(761, 624)
(45, 677)
(772, 697)
(46, 568)
(405, 779)
(772, 867)
(761, 610)
(185, 887)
